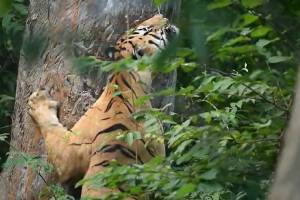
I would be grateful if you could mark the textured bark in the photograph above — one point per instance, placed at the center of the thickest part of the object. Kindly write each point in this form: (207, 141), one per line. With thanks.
(287, 177)
(95, 23)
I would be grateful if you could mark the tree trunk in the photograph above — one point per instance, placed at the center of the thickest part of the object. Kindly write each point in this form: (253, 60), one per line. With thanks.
(287, 177)
(95, 23)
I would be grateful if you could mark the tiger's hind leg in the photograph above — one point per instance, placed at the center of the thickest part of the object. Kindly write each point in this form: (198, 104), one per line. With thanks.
(101, 158)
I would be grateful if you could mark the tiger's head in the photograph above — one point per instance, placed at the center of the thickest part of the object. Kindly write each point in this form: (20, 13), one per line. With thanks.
(146, 38)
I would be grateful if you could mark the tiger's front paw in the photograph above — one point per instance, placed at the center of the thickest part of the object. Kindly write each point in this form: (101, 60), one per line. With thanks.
(43, 109)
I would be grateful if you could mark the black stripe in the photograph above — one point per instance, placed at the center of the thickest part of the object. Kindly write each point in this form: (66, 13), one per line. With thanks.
(109, 105)
(134, 78)
(155, 36)
(127, 84)
(152, 42)
(124, 150)
(106, 118)
(126, 103)
(128, 106)
(104, 163)
(113, 128)
(134, 56)
(130, 42)
(107, 130)
(121, 190)
(112, 77)
(149, 151)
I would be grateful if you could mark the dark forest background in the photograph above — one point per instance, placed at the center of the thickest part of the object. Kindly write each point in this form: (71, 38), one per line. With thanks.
(12, 24)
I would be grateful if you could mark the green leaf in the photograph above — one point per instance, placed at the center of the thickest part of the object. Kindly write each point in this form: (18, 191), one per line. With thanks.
(142, 100)
(262, 125)
(252, 3)
(4, 136)
(239, 49)
(218, 34)
(20, 159)
(159, 2)
(264, 42)
(5, 7)
(21, 8)
(209, 175)
(185, 189)
(249, 19)
(234, 41)
(260, 31)
(219, 4)
(223, 84)
(129, 138)
(188, 67)
(5, 98)
(278, 59)
(117, 93)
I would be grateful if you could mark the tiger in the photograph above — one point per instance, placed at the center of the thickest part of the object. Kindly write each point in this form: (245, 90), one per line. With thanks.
(92, 143)
(147, 38)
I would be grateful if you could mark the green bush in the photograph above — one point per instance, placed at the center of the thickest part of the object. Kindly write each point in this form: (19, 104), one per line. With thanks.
(12, 24)
(237, 68)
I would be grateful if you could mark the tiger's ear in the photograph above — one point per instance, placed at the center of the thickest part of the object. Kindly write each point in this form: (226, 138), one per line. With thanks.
(111, 53)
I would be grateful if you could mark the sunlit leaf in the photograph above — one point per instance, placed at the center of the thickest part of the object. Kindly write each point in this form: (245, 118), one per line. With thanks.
(219, 4)
(252, 3)
(185, 189)
(278, 59)
(3, 137)
(264, 42)
(249, 19)
(234, 41)
(159, 2)
(5, 7)
(260, 31)
(209, 175)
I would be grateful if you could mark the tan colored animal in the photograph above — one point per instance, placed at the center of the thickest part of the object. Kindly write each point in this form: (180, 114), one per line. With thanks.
(91, 144)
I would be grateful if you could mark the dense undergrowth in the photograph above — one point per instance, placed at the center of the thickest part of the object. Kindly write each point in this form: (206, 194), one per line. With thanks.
(12, 24)
(237, 63)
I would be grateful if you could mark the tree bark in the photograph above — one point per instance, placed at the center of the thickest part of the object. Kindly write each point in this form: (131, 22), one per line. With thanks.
(95, 23)
(287, 176)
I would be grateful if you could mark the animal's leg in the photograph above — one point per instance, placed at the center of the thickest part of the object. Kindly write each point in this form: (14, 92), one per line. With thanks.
(70, 161)
(99, 161)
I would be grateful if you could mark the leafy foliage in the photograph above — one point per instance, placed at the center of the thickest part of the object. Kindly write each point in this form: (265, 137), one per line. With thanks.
(12, 23)
(236, 74)
(41, 167)
(17, 159)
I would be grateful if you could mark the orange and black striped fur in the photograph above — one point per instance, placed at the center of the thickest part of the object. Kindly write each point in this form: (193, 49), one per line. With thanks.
(147, 38)
(91, 144)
